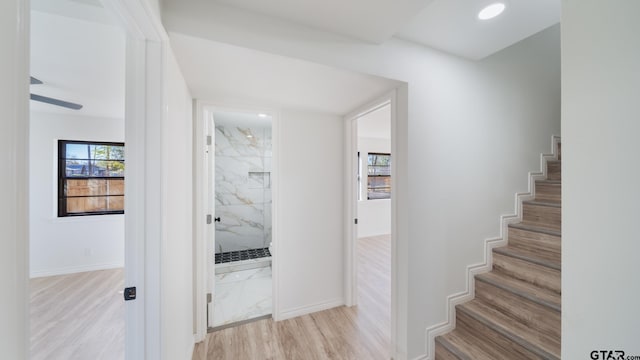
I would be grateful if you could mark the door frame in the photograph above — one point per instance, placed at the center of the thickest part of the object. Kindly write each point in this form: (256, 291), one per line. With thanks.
(397, 99)
(201, 111)
(147, 44)
(146, 96)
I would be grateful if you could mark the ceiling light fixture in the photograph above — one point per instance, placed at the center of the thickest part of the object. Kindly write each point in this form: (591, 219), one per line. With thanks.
(262, 115)
(491, 11)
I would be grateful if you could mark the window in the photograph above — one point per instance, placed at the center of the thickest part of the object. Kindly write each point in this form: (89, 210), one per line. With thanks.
(90, 178)
(379, 176)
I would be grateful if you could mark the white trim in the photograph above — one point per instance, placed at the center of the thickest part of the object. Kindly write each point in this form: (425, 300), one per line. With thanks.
(75, 269)
(312, 308)
(147, 44)
(14, 131)
(421, 357)
(469, 293)
(200, 227)
(398, 173)
(190, 348)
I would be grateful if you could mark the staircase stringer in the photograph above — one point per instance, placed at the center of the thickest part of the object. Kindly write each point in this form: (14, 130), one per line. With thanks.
(485, 266)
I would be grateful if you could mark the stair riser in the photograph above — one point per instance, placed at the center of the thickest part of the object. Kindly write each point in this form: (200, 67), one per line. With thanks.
(554, 170)
(533, 273)
(443, 354)
(491, 338)
(536, 316)
(559, 151)
(544, 216)
(532, 240)
(549, 192)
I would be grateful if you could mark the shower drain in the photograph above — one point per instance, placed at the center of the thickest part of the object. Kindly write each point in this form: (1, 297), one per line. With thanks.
(240, 255)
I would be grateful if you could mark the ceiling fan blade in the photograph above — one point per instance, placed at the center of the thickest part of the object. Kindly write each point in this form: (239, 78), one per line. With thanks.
(52, 101)
(35, 81)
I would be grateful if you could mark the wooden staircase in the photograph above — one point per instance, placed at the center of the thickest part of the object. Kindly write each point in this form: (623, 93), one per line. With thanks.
(516, 310)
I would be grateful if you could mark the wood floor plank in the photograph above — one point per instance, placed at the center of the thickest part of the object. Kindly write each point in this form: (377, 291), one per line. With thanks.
(343, 333)
(78, 316)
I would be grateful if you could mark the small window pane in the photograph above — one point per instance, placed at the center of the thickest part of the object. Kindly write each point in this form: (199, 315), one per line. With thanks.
(86, 187)
(115, 187)
(77, 151)
(109, 168)
(378, 187)
(116, 203)
(77, 168)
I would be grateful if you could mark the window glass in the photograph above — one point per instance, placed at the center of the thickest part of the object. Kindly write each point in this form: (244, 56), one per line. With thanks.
(90, 178)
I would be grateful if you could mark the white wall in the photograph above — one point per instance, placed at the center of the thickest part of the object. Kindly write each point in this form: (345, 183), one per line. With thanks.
(374, 216)
(71, 244)
(309, 237)
(474, 131)
(14, 142)
(600, 196)
(177, 255)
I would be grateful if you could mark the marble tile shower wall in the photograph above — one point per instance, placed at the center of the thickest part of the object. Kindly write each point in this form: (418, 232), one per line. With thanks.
(243, 187)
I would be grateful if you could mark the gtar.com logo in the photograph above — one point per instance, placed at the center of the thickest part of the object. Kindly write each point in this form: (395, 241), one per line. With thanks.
(607, 355)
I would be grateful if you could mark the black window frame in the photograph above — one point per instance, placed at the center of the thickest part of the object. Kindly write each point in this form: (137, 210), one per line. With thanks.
(386, 176)
(62, 178)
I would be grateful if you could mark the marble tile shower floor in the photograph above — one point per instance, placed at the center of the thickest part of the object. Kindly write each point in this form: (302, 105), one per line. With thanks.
(242, 295)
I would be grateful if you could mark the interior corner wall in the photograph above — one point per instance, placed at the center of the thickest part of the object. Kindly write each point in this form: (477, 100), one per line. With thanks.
(70, 244)
(176, 316)
(309, 234)
(374, 216)
(474, 131)
(600, 171)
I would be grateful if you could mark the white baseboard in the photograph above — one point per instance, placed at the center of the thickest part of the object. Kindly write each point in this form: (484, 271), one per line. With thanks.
(190, 349)
(74, 269)
(469, 293)
(308, 309)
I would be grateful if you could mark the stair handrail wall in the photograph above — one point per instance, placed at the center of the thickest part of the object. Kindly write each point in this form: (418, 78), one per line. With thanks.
(469, 293)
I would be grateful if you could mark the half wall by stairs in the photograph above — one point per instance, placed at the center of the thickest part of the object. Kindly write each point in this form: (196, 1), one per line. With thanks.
(516, 310)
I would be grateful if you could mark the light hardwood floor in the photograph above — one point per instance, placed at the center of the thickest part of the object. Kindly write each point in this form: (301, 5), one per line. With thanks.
(359, 332)
(78, 316)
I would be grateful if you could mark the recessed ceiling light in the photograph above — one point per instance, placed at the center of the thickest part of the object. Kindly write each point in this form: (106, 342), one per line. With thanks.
(262, 115)
(249, 136)
(491, 11)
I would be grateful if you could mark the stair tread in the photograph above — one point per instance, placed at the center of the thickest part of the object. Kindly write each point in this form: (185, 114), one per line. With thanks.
(550, 182)
(529, 227)
(463, 345)
(513, 330)
(525, 289)
(542, 203)
(545, 258)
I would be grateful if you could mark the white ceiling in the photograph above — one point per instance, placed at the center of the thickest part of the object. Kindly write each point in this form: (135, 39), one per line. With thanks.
(376, 124)
(79, 58)
(452, 25)
(448, 25)
(370, 20)
(221, 72)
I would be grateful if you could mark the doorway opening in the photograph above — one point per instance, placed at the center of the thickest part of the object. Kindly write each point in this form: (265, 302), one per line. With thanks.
(237, 184)
(242, 212)
(371, 249)
(77, 181)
